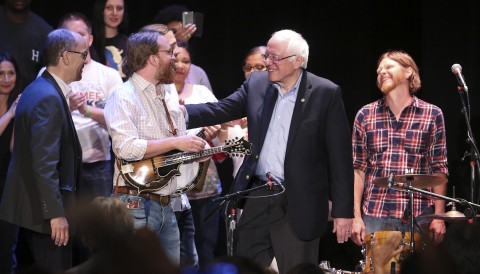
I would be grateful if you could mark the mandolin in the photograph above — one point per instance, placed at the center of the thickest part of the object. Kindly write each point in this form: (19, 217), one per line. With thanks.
(153, 174)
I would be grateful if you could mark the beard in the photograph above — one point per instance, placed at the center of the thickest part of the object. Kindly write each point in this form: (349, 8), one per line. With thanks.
(166, 73)
(386, 87)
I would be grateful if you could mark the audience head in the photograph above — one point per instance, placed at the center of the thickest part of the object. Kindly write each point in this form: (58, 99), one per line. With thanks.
(462, 244)
(104, 222)
(110, 17)
(182, 63)
(111, 14)
(254, 61)
(171, 16)
(9, 78)
(79, 23)
(407, 63)
(235, 264)
(140, 252)
(457, 253)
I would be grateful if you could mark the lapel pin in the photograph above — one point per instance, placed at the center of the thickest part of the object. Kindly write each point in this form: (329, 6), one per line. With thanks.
(302, 100)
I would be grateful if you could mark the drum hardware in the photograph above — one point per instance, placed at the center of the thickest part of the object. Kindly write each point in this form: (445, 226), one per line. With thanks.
(397, 182)
(325, 267)
(451, 216)
(445, 216)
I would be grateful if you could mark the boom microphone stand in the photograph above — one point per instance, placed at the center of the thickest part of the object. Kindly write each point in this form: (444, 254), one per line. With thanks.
(232, 215)
(464, 202)
(474, 153)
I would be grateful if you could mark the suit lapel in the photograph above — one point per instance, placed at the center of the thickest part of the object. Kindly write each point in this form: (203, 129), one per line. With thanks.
(300, 105)
(78, 149)
(268, 105)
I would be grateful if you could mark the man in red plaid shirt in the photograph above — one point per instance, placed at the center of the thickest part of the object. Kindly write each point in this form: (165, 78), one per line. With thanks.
(397, 134)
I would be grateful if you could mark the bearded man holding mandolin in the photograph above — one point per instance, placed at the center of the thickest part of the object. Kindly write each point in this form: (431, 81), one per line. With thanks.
(145, 123)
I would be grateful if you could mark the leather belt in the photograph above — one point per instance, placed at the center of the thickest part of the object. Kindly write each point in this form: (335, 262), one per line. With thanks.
(163, 200)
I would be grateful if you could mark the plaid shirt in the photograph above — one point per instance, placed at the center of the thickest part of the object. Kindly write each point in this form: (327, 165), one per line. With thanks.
(382, 145)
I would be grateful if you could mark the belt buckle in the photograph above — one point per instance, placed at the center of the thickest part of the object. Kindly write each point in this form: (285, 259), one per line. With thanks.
(164, 200)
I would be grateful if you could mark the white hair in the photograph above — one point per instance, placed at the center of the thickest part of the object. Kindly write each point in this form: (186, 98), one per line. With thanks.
(296, 44)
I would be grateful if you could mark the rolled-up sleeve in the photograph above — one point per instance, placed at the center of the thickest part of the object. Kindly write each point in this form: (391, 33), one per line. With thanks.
(121, 114)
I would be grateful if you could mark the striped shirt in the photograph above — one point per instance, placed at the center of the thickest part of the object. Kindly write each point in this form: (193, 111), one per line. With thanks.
(135, 114)
(383, 145)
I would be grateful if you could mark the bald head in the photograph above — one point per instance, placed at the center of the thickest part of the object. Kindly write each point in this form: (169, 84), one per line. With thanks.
(58, 41)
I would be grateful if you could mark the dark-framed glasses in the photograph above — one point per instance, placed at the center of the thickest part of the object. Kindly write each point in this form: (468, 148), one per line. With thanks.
(83, 54)
(168, 51)
(274, 58)
(258, 67)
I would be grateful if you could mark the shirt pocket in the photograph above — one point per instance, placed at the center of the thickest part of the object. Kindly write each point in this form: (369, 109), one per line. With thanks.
(416, 141)
(377, 140)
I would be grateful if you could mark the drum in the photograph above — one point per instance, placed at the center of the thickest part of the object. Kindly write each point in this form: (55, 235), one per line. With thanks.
(378, 238)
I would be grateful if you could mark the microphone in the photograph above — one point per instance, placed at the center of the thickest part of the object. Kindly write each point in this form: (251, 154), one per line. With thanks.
(406, 214)
(457, 70)
(275, 180)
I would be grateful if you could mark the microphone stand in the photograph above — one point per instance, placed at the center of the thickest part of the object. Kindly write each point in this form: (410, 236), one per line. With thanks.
(432, 194)
(474, 153)
(232, 216)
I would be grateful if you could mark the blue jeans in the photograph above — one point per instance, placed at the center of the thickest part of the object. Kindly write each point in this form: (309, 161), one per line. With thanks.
(206, 231)
(188, 251)
(96, 180)
(160, 219)
(384, 224)
(391, 224)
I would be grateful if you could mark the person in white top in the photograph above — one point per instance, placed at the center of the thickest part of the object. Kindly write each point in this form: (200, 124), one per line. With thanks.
(199, 232)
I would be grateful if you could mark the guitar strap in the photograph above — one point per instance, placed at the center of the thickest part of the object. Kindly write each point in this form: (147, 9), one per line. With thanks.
(172, 130)
(115, 191)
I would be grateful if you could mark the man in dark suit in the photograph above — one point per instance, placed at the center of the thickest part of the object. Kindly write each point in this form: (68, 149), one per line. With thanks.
(300, 133)
(46, 157)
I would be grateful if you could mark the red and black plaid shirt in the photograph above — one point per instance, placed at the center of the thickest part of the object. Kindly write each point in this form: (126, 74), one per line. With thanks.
(382, 145)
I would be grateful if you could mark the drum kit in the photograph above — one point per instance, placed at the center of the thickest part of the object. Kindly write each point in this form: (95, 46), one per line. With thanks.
(409, 183)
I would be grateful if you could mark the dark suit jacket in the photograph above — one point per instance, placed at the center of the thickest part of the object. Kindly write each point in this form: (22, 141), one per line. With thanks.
(46, 158)
(318, 158)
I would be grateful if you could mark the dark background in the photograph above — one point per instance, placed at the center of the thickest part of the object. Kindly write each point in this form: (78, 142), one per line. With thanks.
(345, 38)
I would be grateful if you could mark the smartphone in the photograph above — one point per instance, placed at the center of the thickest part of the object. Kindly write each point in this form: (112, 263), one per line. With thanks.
(188, 18)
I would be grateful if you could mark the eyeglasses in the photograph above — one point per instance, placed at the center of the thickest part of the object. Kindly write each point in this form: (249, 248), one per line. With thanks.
(168, 51)
(258, 67)
(84, 54)
(274, 58)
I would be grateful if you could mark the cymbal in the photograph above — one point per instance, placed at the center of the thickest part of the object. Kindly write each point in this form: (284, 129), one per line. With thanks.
(451, 216)
(416, 180)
